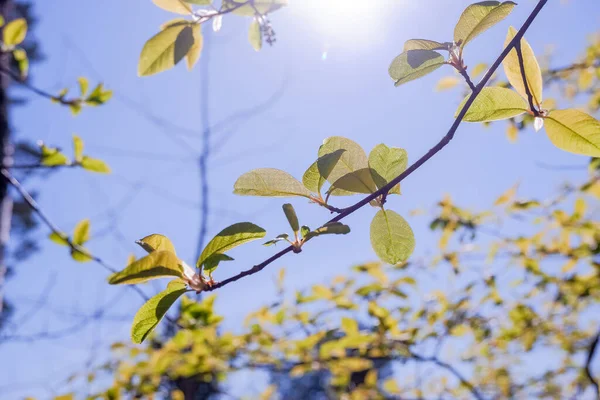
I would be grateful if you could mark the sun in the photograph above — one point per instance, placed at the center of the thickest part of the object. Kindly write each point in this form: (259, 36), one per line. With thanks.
(347, 22)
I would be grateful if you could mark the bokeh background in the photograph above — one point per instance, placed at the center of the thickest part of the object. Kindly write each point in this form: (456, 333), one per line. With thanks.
(326, 75)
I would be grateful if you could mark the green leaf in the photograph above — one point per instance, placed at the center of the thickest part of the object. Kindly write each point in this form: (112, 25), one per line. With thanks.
(494, 103)
(349, 326)
(386, 163)
(413, 64)
(304, 230)
(316, 175)
(391, 237)
(98, 96)
(77, 148)
(213, 262)
(58, 239)
(150, 314)
(95, 165)
(158, 264)
(83, 85)
(165, 49)
(360, 181)
(424, 44)
(156, 242)
(174, 6)
(230, 237)
(14, 32)
(199, 2)
(574, 131)
(478, 18)
(333, 228)
(269, 182)
(258, 6)
(350, 158)
(81, 233)
(52, 157)
(512, 69)
(255, 35)
(193, 54)
(279, 238)
(22, 61)
(291, 216)
(81, 255)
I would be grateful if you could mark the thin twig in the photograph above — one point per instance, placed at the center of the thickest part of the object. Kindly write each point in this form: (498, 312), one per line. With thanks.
(532, 107)
(17, 78)
(588, 364)
(465, 75)
(445, 140)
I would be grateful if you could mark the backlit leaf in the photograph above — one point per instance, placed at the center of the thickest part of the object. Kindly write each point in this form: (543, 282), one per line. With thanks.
(478, 18)
(386, 164)
(95, 165)
(269, 182)
(22, 61)
(193, 54)
(81, 233)
(165, 49)
(360, 181)
(512, 69)
(213, 262)
(255, 35)
(391, 237)
(77, 148)
(413, 64)
(241, 7)
(156, 242)
(574, 131)
(14, 32)
(174, 6)
(494, 103)
(150, 314)
(230, 237)
(352, 158)
(58, 239)
(424, 44)
(447, 83)
(158, 264)
(316, 175)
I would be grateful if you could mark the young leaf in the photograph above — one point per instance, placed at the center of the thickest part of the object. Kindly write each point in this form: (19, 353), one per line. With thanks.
(58, 239)
(83, 85)
(512, 69)
(269, 182)
(165, 49)
(14, 32)
(22, 61)
(174, 6)
(193, 54)
(279, 238)
(478, 18)
(98, 96)
(158, 264)
(52, 157)
(291, 216)
(424, 44)
(255, 35)
(95, 165)
(77, 148)
(574, 131)
(81, 255)
(413, 64)
(391, 237)
(213, 262)
(150, 314)
(316, 175)
(199, 2)
(386, 163)
(494, 103)
(349, 157)
(230, 237)
(304, 230)
(334, 228)
(156, 242)
(81, 234)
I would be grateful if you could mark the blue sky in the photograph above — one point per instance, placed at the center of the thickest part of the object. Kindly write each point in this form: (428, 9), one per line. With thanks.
(308, 97)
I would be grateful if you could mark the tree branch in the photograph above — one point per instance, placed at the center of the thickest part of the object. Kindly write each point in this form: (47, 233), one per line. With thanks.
(34, 89)
(465, 75)
(441, 144)
(588, 364)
